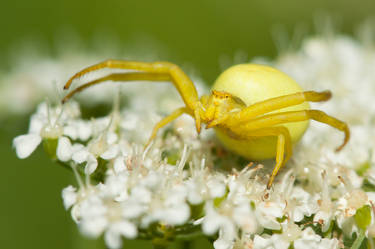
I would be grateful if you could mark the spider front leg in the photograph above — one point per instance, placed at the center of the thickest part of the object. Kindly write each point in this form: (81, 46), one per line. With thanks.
(283, 145)
(119, 77)
(152, 72)
(178, 112)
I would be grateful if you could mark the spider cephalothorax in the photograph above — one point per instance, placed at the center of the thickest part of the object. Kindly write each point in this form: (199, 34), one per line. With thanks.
(217, 107)
(253, 108)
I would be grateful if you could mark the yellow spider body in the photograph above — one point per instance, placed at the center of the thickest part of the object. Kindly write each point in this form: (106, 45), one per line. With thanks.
(255, 83)
(257, 111)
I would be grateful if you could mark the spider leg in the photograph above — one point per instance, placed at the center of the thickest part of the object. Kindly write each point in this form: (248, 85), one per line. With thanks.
(178, 112)
(295, 116)
(122, 77)
(283, 146)
(180, 80)
(277, 103)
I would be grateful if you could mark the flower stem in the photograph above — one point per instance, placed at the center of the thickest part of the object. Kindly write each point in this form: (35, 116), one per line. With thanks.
(159, 243)
(358, 241)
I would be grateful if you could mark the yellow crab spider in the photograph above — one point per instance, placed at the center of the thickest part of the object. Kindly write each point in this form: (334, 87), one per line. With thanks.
(257, 111)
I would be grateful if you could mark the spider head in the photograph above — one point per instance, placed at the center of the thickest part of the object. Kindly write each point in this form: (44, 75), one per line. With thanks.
(218, 105)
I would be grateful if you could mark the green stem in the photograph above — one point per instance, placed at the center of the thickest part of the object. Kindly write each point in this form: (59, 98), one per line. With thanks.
(159, 243)
(189, 236)
(357, 243)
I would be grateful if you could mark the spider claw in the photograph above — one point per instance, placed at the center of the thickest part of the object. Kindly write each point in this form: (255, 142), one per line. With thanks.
(67, 85)
(65, 99)
(338, 149)
(346, 139)
(198, 126)
(197, 120)
(326, 95)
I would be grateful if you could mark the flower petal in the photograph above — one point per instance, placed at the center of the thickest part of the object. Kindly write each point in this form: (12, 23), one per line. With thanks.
(128, 229)
(110, 153)
(26, 144)
(112, 239)
(64, 149)
(69, 196)
(80, 156)
(119, 164)
(91, 165)
(177, 215)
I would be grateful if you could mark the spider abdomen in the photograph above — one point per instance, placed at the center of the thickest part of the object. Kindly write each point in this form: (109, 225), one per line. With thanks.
(255, 83)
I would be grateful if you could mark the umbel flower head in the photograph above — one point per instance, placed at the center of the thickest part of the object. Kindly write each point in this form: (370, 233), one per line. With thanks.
(183, 184)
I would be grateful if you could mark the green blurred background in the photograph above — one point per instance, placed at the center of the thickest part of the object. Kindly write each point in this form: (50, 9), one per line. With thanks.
(196, 32)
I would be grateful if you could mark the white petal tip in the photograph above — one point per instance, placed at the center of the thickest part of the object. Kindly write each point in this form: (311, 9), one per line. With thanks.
(26, 144)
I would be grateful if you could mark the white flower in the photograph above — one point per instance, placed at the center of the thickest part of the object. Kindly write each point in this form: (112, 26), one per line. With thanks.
(113, 234)
(46, 123)
(171, 209)
(78, 129)
(93, 219)
(204, 184)
(119, 164)
(64, 149)
(83, 155)
(267, 212)
(69, 195)
(303, 204)
(273, 242)
(97, 216)
(225, 241)
(227, 218)
(310, 240)
(142, 187)
(176, 214)
(290, 232)
(26, 144)
(347, 207)
(325, 214)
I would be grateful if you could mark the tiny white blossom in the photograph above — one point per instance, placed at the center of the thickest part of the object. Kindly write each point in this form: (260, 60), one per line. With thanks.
(113, 235)
(93, 220)
(119, 164)
(271, 242)
(69, 195)
(111, 152)
(91, 165)
(267, 212)
(64, 149)
(224, 241)
(83, 155)
(26, 144)
(310, 240)
(80, 156)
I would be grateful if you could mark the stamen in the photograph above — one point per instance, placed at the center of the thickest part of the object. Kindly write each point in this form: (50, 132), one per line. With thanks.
(146, 150)
(182, 162)
(77, 176)
(203, 163)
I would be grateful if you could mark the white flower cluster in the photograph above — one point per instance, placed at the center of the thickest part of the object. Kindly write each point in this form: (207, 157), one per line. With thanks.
(176, 186)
